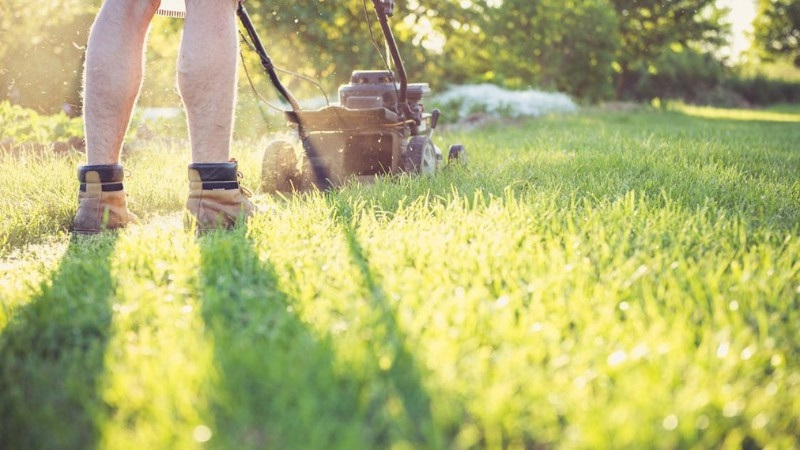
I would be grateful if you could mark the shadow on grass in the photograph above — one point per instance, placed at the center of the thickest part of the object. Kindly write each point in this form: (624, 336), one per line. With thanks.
(398, 370)
(277, 383)
(52, 354)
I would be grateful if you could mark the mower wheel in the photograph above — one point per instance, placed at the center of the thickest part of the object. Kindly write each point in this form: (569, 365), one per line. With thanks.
(420, 157)
(279, 168)
(457, 155)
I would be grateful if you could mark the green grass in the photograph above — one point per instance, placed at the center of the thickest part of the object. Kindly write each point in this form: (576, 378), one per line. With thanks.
(606, 280)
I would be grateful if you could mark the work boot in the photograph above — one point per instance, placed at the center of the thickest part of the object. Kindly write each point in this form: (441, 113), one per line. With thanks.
(216, 200)
(101, 200)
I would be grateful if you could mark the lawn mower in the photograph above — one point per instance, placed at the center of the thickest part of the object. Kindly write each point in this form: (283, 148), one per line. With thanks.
(379, 127)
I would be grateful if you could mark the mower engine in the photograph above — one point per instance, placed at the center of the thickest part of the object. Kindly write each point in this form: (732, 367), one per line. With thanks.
(377, 88)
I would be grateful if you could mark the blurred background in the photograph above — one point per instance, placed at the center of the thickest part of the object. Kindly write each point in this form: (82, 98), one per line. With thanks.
(739, 53)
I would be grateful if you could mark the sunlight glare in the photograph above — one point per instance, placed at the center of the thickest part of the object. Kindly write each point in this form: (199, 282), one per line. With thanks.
(425, 35)
(742, 13)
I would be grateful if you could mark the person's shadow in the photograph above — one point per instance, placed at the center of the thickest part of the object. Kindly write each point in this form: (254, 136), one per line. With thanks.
(52, 352)
(278, 383)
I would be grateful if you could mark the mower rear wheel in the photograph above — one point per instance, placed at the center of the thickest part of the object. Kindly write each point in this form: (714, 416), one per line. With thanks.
(457, 155)
(420, 157)
(279, 172)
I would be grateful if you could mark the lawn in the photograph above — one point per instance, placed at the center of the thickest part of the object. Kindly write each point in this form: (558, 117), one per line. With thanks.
(608, 279)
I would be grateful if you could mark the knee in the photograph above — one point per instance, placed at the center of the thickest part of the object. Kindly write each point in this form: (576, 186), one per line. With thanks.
(136, 10)
(128, 13)
(142, 10)
(151, 6)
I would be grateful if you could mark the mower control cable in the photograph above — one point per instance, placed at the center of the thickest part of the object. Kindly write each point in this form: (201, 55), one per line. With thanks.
(320, 171)
(266, 62)
(385, 9)
(380, 53)
(316, 83)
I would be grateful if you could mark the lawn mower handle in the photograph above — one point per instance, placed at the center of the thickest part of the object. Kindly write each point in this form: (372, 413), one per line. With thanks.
(385, 9)
(320, 172)
(266, 62)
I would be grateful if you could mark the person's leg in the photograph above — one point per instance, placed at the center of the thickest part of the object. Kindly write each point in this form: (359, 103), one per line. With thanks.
(207, 77)
(113, 74)
(207, 82)
(112, 79)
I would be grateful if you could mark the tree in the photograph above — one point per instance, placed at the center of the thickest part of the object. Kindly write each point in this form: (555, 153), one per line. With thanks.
(777, 28)
(549, 44)
(565, 46)
(648, 28)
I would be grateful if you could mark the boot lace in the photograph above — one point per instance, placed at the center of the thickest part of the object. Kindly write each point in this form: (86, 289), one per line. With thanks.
(246, 192)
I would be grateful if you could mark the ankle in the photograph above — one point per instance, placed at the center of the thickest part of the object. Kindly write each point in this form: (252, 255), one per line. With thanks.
(109, 177)
(214, 176)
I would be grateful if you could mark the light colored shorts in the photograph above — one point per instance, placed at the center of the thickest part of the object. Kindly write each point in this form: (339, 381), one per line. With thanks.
(172, 8)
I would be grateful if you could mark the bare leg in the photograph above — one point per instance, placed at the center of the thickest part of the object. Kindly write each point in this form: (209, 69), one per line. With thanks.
(113, 75)
(207, 82)
(207, 77)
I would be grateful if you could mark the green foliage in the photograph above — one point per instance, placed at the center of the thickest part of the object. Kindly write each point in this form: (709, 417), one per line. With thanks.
(764, 82)
(573, 46)
(649, 28)
(547, 44)
(777, 70)
(26, 125)
(777, 28)
(592, 50)
(42, 50)
(686, 74)
(553, 45)
(762, 90)
(606, 280)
